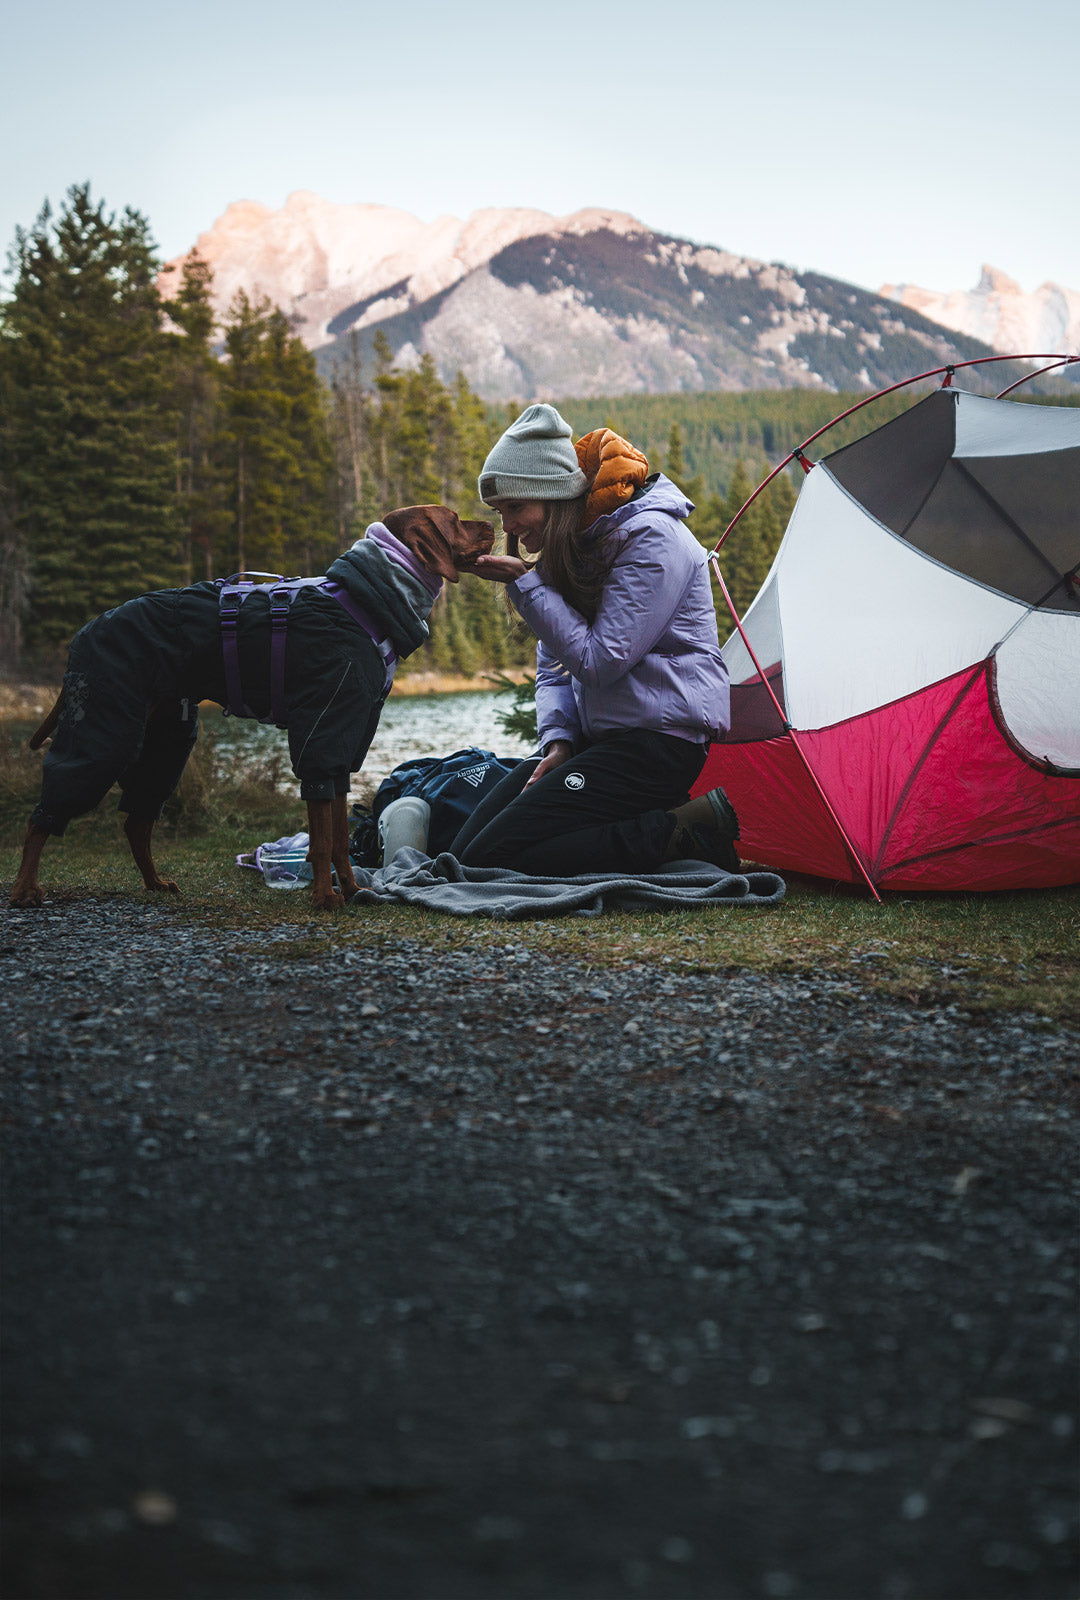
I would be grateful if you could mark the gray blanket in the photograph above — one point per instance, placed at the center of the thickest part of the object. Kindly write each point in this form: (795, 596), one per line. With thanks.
(443, 884)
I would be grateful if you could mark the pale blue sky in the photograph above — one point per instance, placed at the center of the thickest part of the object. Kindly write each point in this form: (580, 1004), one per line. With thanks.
(901, 143)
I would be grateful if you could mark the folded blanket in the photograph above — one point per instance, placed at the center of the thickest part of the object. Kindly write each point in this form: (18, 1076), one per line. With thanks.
(443, 884)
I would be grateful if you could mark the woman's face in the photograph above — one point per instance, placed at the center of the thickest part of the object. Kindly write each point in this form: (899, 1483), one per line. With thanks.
(525, 519)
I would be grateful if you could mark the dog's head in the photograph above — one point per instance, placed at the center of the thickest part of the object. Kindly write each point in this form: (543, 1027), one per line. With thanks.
(439, 539)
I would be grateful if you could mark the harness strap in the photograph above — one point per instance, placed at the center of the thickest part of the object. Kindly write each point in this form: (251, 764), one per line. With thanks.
(280, 600)
(361, 617)
(230, 598)
(232, 592)
(281, 592)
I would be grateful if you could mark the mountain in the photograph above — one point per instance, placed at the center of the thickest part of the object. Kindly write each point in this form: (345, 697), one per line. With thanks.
(529, 305)
(998, 312)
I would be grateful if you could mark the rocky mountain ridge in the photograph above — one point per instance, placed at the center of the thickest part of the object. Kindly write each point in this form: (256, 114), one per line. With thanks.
(1000, 313)
(530, 305)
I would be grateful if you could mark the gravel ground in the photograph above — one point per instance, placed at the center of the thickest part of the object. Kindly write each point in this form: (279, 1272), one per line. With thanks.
(480, 1274)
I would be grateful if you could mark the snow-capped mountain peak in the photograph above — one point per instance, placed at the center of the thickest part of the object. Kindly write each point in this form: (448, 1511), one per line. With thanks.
(529, 305)
(1000, 313)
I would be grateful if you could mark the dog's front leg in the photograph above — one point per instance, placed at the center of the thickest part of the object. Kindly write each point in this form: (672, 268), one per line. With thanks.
(139, 832)
(340, 849)
(321, 854)
(26, 891)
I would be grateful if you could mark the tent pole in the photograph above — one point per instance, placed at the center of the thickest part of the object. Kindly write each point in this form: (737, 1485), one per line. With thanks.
(1063, 361)
(1056, 360)
(790, 731)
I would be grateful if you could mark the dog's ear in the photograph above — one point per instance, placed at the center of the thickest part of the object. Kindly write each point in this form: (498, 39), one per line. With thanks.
(439, 539)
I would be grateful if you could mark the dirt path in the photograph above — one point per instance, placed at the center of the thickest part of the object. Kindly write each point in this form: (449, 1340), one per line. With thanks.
(482, 1275)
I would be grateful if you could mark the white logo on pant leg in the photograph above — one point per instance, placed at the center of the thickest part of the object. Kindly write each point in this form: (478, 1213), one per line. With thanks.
(575, 780)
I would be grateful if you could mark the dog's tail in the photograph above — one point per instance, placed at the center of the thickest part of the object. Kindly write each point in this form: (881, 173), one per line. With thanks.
(38, 737)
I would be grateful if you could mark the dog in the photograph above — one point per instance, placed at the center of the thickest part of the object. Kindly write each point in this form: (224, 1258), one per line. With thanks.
(315, 656)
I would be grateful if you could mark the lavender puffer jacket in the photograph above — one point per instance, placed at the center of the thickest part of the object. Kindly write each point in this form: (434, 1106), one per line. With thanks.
(651, 659)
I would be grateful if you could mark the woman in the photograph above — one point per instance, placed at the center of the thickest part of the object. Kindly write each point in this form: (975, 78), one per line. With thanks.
(630, 684)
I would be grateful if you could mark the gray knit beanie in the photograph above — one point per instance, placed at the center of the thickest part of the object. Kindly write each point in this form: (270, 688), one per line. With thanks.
(534, 460)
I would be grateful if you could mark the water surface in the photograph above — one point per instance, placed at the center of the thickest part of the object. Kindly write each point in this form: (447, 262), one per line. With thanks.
(411, 726)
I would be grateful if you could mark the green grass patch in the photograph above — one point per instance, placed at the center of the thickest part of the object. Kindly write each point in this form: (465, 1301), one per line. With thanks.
(984, 953)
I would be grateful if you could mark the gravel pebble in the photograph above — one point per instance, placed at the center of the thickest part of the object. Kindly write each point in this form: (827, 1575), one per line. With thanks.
(480, 1272)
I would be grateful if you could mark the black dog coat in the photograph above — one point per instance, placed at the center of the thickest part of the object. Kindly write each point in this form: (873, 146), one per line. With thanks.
(135, 676)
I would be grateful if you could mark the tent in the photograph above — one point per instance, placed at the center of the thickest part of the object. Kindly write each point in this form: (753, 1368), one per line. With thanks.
(906, 685)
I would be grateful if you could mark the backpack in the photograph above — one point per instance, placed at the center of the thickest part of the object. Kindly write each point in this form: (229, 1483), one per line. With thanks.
(453, 787)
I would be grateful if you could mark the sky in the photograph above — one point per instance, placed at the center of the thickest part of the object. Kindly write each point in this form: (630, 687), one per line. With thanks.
(874, 143)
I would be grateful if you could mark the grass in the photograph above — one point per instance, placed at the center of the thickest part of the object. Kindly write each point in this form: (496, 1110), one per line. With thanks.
(984, 953)
(993, 952)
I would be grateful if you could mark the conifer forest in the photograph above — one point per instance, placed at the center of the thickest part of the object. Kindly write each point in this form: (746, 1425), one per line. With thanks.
(145, 444)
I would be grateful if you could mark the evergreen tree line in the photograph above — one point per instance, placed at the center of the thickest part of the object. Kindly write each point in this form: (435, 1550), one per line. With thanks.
(405, 438)
(145, 444)
(718, 430)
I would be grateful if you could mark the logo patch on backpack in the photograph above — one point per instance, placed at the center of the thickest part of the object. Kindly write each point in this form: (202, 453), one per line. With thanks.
(475, 775)
(574, 780)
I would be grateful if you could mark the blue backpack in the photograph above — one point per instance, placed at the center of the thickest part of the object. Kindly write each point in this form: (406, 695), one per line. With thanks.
(453, 787)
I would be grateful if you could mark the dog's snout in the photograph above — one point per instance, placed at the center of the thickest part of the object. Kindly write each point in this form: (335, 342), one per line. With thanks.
(481, 539)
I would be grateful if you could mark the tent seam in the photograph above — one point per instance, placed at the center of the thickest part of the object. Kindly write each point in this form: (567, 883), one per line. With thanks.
(924, 757)
(1011, 523)
(924, 555)
(968, 844)
(1043, 764)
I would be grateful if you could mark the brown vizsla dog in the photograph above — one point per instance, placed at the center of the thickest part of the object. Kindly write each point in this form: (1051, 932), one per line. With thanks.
(128, 711)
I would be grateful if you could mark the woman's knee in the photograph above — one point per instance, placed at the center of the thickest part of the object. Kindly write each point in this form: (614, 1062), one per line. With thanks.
(483, 853)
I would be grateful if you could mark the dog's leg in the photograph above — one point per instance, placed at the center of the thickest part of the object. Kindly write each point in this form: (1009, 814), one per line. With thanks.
(340, 846)
(321, 854)
(139, 831)
(26, 891)
(38, 737)
(172, 727)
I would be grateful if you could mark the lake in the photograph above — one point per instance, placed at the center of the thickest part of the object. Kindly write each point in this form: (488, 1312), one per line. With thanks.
(410, 726)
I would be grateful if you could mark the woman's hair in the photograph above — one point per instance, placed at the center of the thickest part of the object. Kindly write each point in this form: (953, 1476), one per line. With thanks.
(574, 567)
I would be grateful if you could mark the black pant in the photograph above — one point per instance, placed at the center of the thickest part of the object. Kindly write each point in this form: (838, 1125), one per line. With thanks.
(607, 809)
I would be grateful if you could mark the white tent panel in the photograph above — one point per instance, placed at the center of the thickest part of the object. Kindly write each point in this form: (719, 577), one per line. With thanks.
(761, 625)
(865, 618)
(987, 427)
(1038, 687)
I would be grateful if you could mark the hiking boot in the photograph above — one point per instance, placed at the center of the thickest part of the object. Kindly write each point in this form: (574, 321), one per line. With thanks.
(710, 810)
(706, 829)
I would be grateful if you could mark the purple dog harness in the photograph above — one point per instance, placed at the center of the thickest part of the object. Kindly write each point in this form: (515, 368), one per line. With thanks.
(281, 591)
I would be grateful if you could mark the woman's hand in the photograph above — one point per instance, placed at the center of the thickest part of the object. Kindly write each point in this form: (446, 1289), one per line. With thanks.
(558, 751)
(498, 569)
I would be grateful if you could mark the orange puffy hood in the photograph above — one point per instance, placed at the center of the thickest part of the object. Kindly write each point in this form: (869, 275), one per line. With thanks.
(614, 469)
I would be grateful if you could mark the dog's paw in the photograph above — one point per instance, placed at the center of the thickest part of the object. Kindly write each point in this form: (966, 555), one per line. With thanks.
(164, 886)
(26, 896)
(328, 902)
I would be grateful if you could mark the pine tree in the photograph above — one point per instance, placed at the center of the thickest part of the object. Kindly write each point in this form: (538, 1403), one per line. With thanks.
(349, 403)
(274, 444)
(89, 421)
(411, 440)
(197, 381)
(675, 466)
(740, 557)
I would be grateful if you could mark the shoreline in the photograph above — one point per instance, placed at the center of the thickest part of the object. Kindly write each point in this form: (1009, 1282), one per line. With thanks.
(22, 702)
